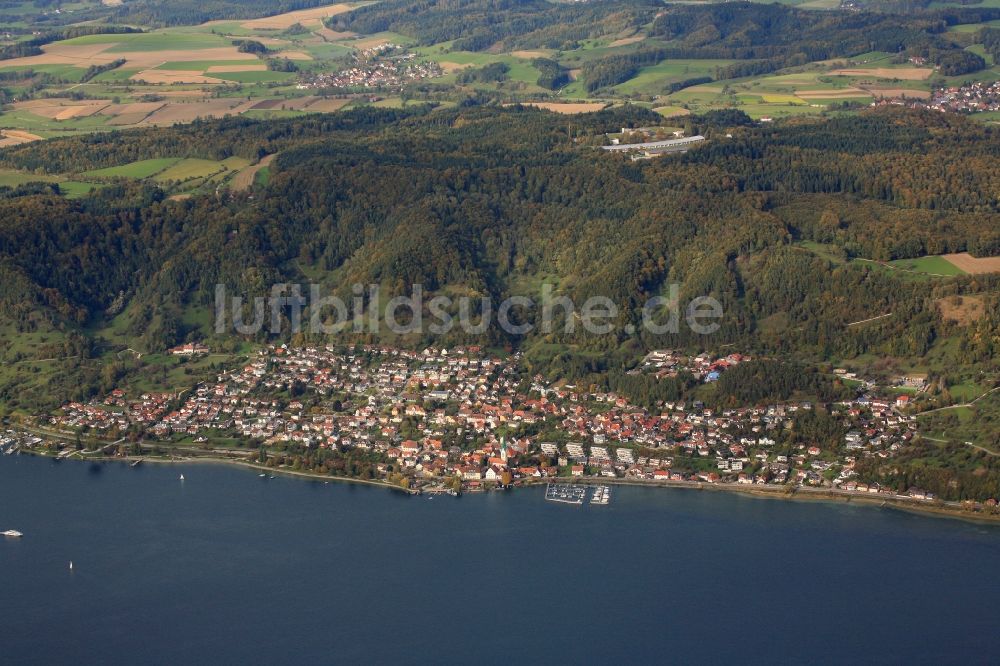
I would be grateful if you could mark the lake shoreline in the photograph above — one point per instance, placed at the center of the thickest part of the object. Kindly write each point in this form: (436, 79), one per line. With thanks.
(801, 494)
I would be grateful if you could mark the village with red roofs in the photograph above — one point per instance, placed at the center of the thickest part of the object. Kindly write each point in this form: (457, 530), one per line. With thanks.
(463, 420)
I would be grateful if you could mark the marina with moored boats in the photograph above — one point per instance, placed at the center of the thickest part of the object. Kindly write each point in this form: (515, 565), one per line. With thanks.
(601, 496)
(567, 493)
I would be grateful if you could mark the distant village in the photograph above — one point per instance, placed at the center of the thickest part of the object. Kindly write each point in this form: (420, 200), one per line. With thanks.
(465, 419)
(383, 67)
(975, 97)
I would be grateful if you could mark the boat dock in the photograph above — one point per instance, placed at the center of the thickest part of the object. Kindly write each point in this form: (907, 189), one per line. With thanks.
(601, 496)
(565, 493)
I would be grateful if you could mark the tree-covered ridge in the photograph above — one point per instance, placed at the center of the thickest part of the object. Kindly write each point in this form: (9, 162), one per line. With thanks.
(943, 162)
(191, 12)
(765, 38)
(739, 30)
(215, 140)
(476, 25)
(490, 202)
(746, 30)
(775, 34)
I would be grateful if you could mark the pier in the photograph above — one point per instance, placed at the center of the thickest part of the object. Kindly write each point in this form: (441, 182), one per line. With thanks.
(601, 495)
(565, 493)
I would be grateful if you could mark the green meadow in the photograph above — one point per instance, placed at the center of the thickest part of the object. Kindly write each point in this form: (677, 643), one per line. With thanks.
(974, 27)
(322, 50)
(928, 265)
(120, 75)
(71, 189)
(158, 41)
(138, 170)
(12, 178)
(74, 189)
(187, 169)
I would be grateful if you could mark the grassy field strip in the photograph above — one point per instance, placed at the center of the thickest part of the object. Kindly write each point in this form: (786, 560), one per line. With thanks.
(933, 266)
(72, 189)
(137, 170)
(245, 179)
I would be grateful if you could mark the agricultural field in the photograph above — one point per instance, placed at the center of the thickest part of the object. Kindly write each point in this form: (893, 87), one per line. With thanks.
(246, 178)
(137, 170)
(179, 74)
(935, 266)
(671, 111)
(307, 17)
(180, 67)
(812, 88)
(177, 174)
(966, 263)
(195, 169)
(568, 107)
(16, 138)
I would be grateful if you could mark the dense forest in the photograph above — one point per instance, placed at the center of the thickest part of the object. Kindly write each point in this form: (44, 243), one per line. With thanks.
(770, 37)
(477, 25)
(990, 37)
(745, 30)
(156, 13)
(552, 74)
(763, 38)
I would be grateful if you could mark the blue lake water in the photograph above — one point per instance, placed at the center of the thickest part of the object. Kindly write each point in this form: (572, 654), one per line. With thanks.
(230, 568)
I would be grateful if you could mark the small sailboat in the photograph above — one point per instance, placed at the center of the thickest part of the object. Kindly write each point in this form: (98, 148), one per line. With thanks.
(182, 477)
(71, 565)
